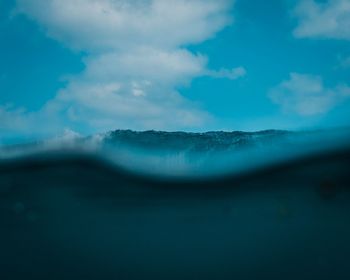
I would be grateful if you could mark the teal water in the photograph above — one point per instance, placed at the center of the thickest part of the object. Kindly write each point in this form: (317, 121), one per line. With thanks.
(69, 213)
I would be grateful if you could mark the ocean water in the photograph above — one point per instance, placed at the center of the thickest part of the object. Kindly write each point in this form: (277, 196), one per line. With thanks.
(157, 205)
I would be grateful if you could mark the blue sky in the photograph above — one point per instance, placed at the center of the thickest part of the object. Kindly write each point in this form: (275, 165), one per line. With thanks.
(92, 66)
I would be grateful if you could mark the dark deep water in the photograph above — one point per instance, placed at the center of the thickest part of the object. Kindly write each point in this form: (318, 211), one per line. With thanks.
(73, 214)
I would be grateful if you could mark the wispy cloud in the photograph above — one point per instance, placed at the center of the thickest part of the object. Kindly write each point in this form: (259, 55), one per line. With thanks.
(232, 74)
(345, 62)
(323, 19)
(306, 95)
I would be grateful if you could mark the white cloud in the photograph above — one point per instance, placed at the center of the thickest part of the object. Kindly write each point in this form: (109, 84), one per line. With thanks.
(326, 19)
(116, 24)
(306, 95)
(169, 67)
(15, 122)
(136, 58)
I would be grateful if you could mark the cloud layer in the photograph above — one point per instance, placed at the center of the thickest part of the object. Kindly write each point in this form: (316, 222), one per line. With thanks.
(306, 95)
(323, 19)
(136, 59)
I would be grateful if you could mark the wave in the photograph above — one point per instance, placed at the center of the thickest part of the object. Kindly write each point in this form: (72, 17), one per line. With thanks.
(189, 154)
